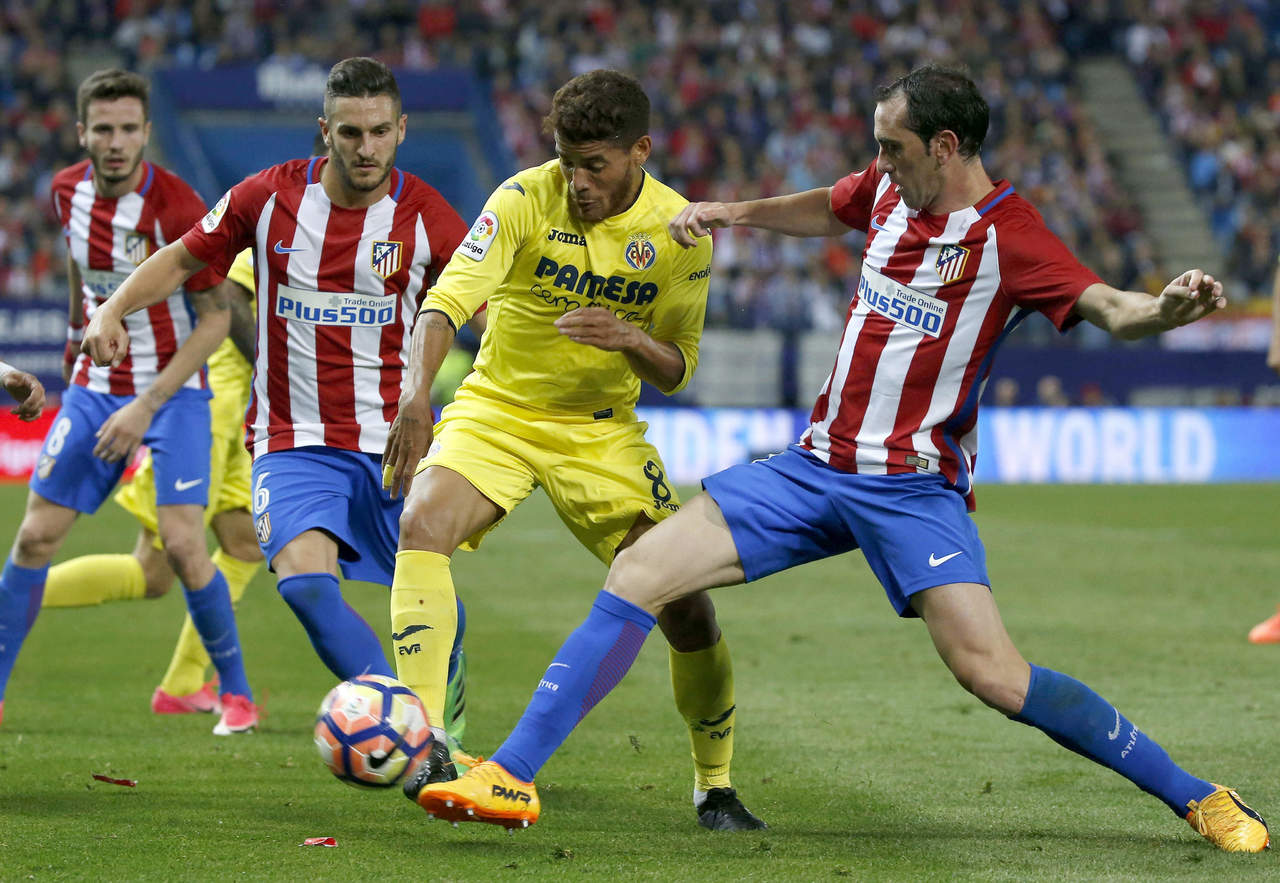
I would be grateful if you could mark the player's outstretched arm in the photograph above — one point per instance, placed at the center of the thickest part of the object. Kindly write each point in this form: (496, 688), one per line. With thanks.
(122, 432)
(1133, 314)
(412, 430)
(105, 340)
(797, 214)
(26, 390)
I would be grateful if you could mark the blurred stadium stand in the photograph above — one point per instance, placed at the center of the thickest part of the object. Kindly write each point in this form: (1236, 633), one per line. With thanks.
(751, 98)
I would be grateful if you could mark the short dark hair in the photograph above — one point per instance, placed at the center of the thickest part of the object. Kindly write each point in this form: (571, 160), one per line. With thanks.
(941, 98)
(360, 78)
(108, 85)
(600, 105)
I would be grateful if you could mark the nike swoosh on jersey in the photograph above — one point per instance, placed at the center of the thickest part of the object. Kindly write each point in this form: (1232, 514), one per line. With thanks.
(411, 630)
(180, 485)
(280, 248)
(935, 561)
(876, 225)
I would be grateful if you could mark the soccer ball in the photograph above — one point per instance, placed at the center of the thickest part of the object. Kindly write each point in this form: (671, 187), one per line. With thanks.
(372, 731)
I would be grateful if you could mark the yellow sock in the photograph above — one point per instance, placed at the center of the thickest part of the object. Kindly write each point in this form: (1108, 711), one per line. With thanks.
(92, 579)
(187, 667)
(424, 617)
(702, 682)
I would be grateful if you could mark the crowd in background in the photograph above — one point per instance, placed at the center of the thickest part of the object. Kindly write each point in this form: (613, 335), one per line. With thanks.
(751, 98)
(1213, 71)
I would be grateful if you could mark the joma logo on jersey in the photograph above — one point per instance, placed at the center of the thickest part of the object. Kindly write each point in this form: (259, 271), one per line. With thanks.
(136, 248)
(614, 288)
(385, 257)
(554, 235)
(950, 263)
(640, 253)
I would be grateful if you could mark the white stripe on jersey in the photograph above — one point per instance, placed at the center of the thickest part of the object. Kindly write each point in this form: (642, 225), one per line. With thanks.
(366, 343)
(973, 310)
(260, 406)
(303, 272)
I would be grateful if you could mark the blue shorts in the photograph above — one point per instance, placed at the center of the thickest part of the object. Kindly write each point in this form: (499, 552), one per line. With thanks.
(336, 491)
(792, 508)
(67, 472)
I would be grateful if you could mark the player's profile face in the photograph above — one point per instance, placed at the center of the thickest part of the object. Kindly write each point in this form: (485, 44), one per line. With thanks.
(902, 155)
(363, 135)
(114, 133)
(604, 177)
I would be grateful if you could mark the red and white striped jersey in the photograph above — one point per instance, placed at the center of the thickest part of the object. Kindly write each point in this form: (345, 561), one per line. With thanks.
(936, 297)
(337, 290)
(107, 239)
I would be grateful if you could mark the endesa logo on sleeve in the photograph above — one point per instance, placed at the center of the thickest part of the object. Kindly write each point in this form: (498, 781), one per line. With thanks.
(334, 308)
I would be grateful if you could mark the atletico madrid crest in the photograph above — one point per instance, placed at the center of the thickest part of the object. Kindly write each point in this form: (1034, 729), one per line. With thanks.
(136, 248)
(386, 257)
(951, 261)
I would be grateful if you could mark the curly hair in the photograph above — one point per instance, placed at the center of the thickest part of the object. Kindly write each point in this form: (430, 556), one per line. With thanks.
(108, 85)
(601, 105)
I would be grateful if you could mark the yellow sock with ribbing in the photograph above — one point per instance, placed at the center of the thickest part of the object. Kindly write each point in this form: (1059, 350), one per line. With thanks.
(424, 617)
(702, 681)
(93, 579)
(190, 660)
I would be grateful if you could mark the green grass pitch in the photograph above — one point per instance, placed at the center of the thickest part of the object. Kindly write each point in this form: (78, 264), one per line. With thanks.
(853, 742)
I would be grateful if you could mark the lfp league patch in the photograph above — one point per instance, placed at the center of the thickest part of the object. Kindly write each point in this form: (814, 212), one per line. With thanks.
(475, 244)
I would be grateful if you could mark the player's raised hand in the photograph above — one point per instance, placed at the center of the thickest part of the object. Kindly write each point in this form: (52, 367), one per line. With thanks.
(105, 339)
(1191, 296)
(407, 443)
(698, 219)
(122, 432)
(598, 327)
(27, 391)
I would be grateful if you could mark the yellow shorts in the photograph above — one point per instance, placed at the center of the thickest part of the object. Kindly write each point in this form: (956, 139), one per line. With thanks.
(229, 468)
(599, 474)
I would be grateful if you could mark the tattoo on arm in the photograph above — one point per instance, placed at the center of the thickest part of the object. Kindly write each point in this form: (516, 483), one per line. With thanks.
(210, 300)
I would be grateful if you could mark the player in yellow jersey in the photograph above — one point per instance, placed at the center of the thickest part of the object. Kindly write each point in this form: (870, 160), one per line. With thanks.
(93, 579)
(588, 295)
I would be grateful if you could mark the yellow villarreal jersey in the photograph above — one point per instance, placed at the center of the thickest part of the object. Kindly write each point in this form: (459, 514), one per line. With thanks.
(534, 261)
(229, 373)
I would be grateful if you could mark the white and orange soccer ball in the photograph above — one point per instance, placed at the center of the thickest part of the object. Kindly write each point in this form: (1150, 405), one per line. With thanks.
(372, 731)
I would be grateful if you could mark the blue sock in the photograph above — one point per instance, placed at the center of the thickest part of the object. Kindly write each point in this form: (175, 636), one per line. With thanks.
(457, 640)
(590, 663)
(211, 614)
(21, 591)
(1077, 718)
(343, 640)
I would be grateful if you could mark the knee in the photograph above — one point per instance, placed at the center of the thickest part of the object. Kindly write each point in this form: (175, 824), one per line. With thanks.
(690, 623)
(423, 527)
(35, 544)
(631, 579)
(999, 684)
(187, 555)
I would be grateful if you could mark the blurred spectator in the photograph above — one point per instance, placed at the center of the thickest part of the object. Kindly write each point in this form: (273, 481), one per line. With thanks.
(1050, 393)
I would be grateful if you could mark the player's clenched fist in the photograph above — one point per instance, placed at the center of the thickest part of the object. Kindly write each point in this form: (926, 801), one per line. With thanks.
(698, 219)
(105, 339)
